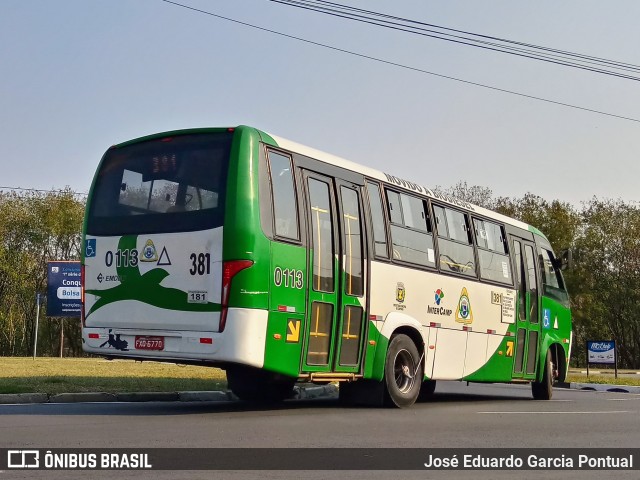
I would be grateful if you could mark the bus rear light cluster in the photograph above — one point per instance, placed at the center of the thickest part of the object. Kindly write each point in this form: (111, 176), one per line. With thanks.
(229, 270)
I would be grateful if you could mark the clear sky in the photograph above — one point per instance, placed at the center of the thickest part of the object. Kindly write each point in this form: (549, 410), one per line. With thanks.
(77, 76)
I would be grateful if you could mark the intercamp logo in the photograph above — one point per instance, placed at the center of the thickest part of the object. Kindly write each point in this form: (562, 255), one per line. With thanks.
(23, 458)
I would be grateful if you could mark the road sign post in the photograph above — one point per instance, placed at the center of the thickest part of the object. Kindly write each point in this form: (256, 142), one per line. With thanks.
(35, 337)
(602, 352)
(64, 292)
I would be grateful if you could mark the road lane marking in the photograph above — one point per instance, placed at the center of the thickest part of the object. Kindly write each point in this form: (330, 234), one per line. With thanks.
(556, 413)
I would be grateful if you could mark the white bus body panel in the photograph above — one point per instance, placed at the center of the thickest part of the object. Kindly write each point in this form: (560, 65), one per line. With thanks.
(455, 345)
(169, 257)
(242, 341)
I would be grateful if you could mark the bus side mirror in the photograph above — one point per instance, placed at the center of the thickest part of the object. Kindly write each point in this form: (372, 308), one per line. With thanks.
(565, 260)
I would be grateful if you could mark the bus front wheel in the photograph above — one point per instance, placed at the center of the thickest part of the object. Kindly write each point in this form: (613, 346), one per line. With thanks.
(402, 372)
(543, 390)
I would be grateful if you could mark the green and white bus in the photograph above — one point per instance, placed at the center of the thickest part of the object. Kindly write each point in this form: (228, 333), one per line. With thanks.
(234, 248)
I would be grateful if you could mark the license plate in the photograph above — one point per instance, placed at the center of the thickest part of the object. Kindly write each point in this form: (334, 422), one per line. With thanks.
(149, 343)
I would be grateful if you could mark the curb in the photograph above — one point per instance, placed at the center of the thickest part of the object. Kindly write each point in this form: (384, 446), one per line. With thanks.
(299, 393)
(24, 398)
(604, 372)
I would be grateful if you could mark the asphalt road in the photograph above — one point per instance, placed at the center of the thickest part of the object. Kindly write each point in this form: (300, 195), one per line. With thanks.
(459, 416)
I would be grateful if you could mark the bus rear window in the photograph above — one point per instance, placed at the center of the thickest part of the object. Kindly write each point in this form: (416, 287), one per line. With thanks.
(163, 185)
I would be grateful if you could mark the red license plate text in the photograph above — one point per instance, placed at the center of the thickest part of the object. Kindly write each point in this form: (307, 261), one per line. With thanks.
(149, 343)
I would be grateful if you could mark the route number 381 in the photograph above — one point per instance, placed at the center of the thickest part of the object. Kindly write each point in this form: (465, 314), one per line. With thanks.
(200, 264)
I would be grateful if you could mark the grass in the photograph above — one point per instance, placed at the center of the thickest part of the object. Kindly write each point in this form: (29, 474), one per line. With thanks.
(608, 379)
(74, 375)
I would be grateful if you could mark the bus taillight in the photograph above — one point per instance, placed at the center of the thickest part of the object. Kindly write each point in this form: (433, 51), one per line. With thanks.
(229, 270)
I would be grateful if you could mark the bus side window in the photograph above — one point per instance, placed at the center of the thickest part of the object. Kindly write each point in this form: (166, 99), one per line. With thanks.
(352, 238)
(492, 251)
(521, 282)
(552, 281)
(377, 220)
(285, 207)
(454, 242)
(411, 237)
(533, 282)
(550, 275)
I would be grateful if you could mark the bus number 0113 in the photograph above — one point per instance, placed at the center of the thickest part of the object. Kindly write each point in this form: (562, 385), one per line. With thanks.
(288, 277)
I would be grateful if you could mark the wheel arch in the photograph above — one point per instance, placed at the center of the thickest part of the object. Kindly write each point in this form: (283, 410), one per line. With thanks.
(411, 332)
(559, 360)
(398, 323)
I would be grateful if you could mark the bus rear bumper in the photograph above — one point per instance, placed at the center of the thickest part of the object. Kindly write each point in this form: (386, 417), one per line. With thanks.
(243, 341)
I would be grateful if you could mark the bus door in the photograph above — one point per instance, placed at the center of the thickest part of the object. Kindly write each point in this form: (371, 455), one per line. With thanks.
(527, 319)
(334, 330)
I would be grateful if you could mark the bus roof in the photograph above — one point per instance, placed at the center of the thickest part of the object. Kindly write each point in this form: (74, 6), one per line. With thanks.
(356, 167)
(397, 182)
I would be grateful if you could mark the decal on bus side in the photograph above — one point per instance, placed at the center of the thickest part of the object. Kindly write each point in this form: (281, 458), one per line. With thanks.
(141, 276)
(289, 277)
(464, 313)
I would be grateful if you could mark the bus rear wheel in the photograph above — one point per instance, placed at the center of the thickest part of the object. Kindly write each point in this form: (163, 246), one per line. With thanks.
(259, 386)
(543, 390)
(402, 372)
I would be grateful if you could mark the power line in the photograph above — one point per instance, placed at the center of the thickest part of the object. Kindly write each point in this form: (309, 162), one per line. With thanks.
(534, 52)
(400, 65)
(82, 194)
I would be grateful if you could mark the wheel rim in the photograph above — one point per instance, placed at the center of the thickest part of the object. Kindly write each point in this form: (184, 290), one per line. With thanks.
(404, 371)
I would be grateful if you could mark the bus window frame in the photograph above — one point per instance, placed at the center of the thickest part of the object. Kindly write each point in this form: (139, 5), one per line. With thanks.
(282, 238)
(471, 240)
(267, 207)
(357, 190)
(173, 222)
(430, 227)
(560, 295)
(369, 219)
(506, 245)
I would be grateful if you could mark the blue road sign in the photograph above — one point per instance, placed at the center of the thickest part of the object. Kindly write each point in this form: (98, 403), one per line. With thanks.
(64, 289)
(601, 351)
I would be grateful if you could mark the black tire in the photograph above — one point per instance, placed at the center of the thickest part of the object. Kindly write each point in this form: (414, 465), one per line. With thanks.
(259, 386)
(543, 390)
(402, 372)
(426, 390)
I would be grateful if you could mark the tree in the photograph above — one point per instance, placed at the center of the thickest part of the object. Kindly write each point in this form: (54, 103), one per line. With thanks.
(34, 228)
(481, 196)
(559, 221)
(607, 287)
